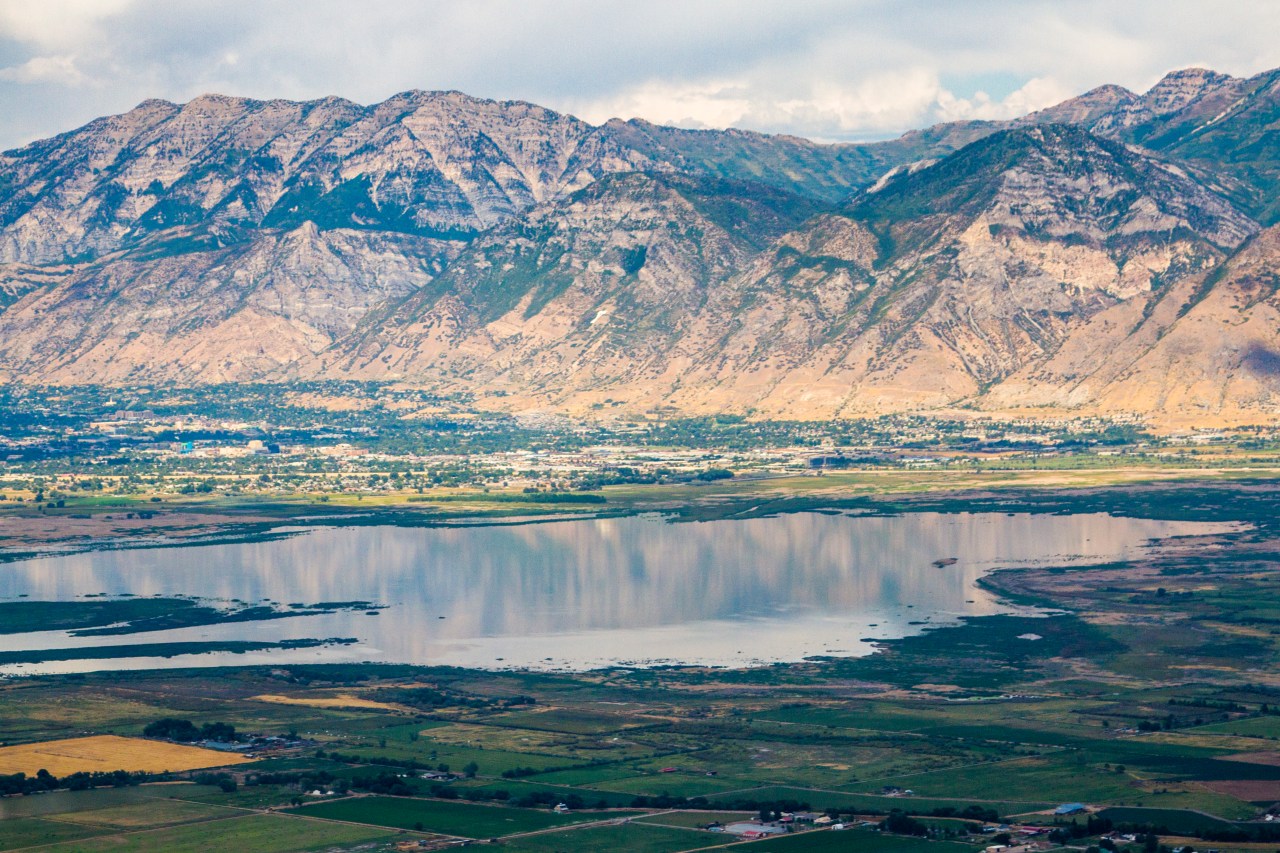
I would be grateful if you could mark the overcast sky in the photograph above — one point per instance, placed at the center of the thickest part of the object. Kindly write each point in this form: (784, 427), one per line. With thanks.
(856, 69)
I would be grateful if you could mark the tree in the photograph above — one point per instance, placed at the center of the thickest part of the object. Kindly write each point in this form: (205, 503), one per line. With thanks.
(900, 823)
(218, 731)
(172, 728)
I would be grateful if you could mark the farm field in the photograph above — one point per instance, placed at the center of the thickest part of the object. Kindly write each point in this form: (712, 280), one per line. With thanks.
(17, 833)
(461, 819)
(106, 753)
(632, 836)
(155, 812)
(107, 820)
(66, 802)
(250, 834)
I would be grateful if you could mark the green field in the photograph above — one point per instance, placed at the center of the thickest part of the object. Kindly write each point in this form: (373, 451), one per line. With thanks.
(106, 820)
(632, 837)
(466, 820)
(31, 831)
(1259, 727)
(591, 776)
(60, 802)
(148, 814)
(676, 784)
(1177, 820)
(522, 788)
(251, 834)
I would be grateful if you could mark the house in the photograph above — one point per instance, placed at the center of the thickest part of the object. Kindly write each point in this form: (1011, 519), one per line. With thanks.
(1070, 809)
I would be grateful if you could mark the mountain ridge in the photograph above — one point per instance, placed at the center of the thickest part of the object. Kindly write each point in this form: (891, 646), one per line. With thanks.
(529, 259)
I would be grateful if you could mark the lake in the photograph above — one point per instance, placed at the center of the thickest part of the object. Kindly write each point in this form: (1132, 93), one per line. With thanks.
(582, 593)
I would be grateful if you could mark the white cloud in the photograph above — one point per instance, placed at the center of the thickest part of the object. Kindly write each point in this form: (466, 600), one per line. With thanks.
(716, 103)
(60, 70)
(1035, 94)
(56, 23)
(878, 102)
(830, 69)
(874, 105)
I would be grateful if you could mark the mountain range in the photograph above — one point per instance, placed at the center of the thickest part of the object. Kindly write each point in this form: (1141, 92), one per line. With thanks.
(1115, 254)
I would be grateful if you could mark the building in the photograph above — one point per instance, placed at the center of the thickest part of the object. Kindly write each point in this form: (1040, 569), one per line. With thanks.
(754, 829)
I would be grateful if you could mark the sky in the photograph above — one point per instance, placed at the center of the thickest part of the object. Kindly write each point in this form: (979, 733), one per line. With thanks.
(828, 70)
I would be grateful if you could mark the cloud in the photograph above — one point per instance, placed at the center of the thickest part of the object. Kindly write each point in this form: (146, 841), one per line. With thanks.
(1035, 94)
(60, 70)
(828, 69)
(56, 23)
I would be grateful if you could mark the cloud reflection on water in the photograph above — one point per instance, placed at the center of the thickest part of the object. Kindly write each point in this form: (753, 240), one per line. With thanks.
(597, 591)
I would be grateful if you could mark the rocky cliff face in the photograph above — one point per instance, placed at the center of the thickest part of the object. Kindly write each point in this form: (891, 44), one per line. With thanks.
(229, 314)
(1107, 254)
(435, 163)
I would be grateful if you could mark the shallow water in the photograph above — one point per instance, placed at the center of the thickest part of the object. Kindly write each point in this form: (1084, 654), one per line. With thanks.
(587, 592)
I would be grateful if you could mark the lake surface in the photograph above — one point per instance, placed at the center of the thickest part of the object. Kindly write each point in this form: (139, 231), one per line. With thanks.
(581, 593)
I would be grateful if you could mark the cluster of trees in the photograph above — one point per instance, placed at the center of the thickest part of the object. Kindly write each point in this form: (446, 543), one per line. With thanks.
(184, 731)
(21, 783)
(900, 823)
(1070, 831)
(1167, 723)
(978, 814)
(225, 781)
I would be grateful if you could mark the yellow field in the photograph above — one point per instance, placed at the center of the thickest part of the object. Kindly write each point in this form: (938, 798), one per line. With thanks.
(342, 700)
(107, 753)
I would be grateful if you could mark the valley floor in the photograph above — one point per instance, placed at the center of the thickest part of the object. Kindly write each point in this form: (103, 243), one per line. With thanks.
(1150, 695)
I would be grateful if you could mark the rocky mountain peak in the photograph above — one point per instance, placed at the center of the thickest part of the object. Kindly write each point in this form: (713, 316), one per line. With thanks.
(1178, 88)
(1177, 92)
(1083, 109)
(154, 105)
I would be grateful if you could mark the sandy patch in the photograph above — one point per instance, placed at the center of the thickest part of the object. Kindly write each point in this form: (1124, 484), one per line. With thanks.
(343, 700)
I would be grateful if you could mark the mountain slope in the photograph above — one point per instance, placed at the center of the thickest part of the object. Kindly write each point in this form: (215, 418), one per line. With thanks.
(927, 290)
(1102, 255)
(964, 272)
(435, 163)
(589, 289)
(230, 314)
